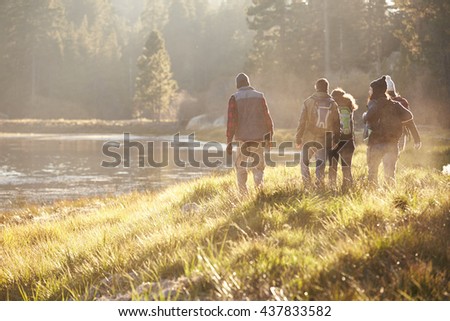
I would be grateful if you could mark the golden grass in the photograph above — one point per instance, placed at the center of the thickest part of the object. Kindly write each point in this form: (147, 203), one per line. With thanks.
(285, 242)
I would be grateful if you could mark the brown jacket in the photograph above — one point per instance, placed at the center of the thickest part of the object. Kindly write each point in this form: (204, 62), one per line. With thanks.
(309, 122)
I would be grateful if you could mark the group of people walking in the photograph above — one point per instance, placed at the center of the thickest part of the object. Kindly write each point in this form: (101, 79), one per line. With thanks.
(325, 131)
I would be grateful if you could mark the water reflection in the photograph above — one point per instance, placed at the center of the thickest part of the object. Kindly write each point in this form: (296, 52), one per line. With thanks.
(47, 167)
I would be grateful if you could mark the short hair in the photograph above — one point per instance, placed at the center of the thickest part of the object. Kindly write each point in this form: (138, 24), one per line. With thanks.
(322, 85)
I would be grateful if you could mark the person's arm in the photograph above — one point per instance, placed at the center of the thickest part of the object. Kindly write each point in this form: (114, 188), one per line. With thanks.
(404, 114)
(407, 119)
(411, 126)
(232, 119)
(301, 126)
(336, 124)
(268, 120)
(372, 115)
(405, 103)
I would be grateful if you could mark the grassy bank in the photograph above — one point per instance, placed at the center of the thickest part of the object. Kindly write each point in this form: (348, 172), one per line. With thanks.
(201, 240)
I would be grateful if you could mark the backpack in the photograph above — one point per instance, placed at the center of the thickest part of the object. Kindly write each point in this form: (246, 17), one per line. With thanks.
(345, 117)
(389, 126)
(321, 114)
(390, 121)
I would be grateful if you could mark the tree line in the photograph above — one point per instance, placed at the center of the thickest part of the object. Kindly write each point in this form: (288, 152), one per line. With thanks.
(116, 59)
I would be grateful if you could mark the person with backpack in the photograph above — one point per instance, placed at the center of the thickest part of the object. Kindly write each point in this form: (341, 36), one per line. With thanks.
(409, 128)
(250, 123)
(317, 131)
(346, 146)
(385, 119)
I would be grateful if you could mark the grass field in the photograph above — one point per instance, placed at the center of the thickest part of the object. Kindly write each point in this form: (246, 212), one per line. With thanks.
(201, 240)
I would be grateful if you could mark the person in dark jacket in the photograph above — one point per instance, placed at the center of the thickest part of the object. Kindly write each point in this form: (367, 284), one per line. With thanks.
(346, 147)
(317, 131)
(409, 128)
(250, 124)
(385, 119)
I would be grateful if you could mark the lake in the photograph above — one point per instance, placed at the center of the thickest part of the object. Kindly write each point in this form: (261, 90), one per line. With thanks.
(41, 168)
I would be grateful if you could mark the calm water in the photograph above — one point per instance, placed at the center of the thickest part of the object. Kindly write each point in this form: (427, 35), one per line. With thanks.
(41, 168)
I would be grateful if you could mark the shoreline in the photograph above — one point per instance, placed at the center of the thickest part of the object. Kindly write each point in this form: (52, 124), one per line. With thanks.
(88, 126)
(143, 127)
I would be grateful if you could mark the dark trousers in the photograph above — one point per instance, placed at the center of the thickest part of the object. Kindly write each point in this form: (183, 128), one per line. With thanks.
(343, 152)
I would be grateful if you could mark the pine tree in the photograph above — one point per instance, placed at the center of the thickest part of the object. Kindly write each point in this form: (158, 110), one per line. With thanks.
(266, 17)
(305, 39)
(378, 23)
(424, 34)
(227, 38)
(348, 30)
(155, 88)
(182, 40)
(154, 16)
(34, 46)
(289, 36)
(100, 82)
